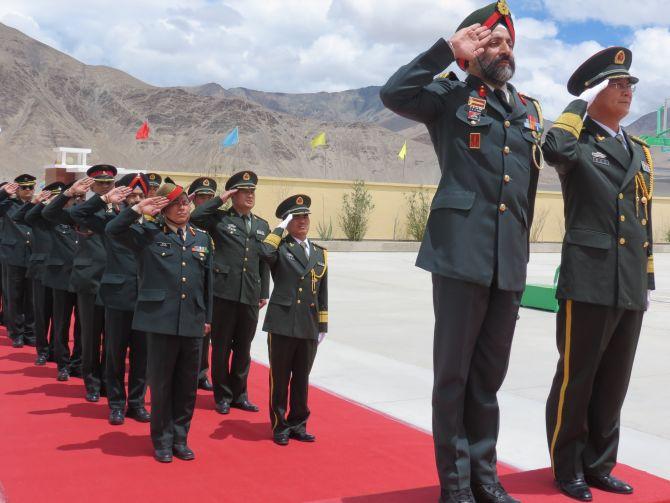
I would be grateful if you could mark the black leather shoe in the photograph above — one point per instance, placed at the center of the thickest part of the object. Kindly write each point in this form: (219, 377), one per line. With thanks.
(30, 341)
(575, 489)
(183, 452)
(281, 439)
(93, 396)
(116, 417)
(205, 384)
(17, 343)
(609, 483)
(222, 408)
(41, 360)
(492, 493)
(459, 496)
(139, 414)
(63, 375)
(163, 455)
(246, 405)
(302, 436)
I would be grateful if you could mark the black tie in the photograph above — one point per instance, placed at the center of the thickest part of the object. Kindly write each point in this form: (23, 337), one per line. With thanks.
(180, 233)
(502, 98)
(247, 223)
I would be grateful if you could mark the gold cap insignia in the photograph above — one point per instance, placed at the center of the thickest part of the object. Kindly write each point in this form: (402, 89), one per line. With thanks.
(246, 177)
(152, 176)
(205, 182)
(620, 58)
(299, 200)
(502, 7)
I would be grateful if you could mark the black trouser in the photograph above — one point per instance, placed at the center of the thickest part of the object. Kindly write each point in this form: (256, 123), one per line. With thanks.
(474, 326)
(20, 317)
(173, 377)
(122, 340)
(64, 307)
(2, 294)
(233, 329)
(291, 361)
(43, 302)
(204, 358)
(597, 347)
(92, 319)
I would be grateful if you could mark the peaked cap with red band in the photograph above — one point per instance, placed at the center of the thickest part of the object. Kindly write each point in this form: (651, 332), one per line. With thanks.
(170, 191)
(489, 16)
(102, 172)
(132, 180)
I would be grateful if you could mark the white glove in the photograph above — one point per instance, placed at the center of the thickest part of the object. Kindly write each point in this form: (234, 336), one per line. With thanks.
(322, 336)
(592, 93)
(284, 223)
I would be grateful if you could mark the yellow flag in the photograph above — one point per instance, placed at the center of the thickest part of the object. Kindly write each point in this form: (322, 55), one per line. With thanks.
(319, 140)
(403, 151)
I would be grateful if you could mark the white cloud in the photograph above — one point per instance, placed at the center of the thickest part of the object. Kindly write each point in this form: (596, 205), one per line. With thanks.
(324, 45)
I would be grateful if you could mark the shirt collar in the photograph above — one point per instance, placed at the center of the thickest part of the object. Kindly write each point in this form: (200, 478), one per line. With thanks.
(174, 227)
(300, 242)
(607, 129)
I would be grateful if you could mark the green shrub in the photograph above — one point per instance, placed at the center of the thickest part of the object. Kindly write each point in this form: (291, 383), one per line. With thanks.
(418, 209)
(356, 208)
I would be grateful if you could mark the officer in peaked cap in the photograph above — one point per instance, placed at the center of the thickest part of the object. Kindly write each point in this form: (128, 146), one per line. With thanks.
(174, 308)
(607, 270)
(487, 137)
(16, 251)
(42, 248)
(241, 286)
(297, 317)
(118, 292)
(87, 269)
(200, 191)
(155, 181)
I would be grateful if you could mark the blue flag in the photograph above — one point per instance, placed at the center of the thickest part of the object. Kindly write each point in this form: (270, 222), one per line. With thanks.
(232, 139)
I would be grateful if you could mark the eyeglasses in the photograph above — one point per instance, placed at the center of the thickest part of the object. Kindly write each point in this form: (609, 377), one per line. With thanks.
(180, 202)
(623, 87)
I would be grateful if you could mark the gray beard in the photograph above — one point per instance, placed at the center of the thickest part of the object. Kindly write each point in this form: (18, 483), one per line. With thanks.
(497, 75)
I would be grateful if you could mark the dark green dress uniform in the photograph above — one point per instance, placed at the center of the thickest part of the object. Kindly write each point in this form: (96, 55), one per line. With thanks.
(297, 313)
(475, 245)
(56, 275)
(203, 185)
(241, 279)
(606, 271)
(174, 302)
(88, 267)
(4, 201)
(16, 244)
(118, 291)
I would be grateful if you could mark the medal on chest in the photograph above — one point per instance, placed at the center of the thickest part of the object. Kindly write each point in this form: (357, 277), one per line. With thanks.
(474, 109)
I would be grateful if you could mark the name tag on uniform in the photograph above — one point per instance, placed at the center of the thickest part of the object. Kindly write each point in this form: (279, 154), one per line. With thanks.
(645, 167)
(232, 228)
(600, 158)
(164, 245)
(260, 233)
(290, 257)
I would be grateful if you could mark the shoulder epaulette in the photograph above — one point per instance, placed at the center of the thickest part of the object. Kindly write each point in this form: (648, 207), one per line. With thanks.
(447, 76)
(319, 246)
(537, 105)
(639, 140)
(260, 218)
(199, 229)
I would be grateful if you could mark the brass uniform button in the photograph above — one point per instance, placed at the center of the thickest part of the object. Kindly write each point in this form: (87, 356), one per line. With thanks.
(298, 301)
(163, 254)
(643, 221)
(502, 208)
(183, 280)
(246, 259)
(622, 218)
(183, 248)
(183, 264)
(183, 296)
(646, 244)
(506, 150)
(620, 195)
(244, 269)
(622, 241)
(507, 123)
(507, 178)
(300, 289)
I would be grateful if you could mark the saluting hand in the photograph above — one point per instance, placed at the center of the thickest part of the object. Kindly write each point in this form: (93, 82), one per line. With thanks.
(226, 195)
(117, 195)
(80, 187)
(284, 223)
(151, 205)
(10, 188)
(41, 197)
(469, 42)
(208, 328)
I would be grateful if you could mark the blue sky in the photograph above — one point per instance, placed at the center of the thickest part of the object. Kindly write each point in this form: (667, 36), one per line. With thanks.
(330, 45)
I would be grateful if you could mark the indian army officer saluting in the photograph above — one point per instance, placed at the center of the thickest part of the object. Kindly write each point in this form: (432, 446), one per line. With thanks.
(297, 317)
(607, 269)
(199, 192)
(241, 286)
(487, 139)
(87, 268)
(174, 308)
(118, 291)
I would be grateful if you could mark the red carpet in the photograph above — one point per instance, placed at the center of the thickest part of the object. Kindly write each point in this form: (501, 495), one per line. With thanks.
(59, 448)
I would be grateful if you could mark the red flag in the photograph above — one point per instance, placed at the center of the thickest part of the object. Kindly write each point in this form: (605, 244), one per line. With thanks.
(143, 131)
